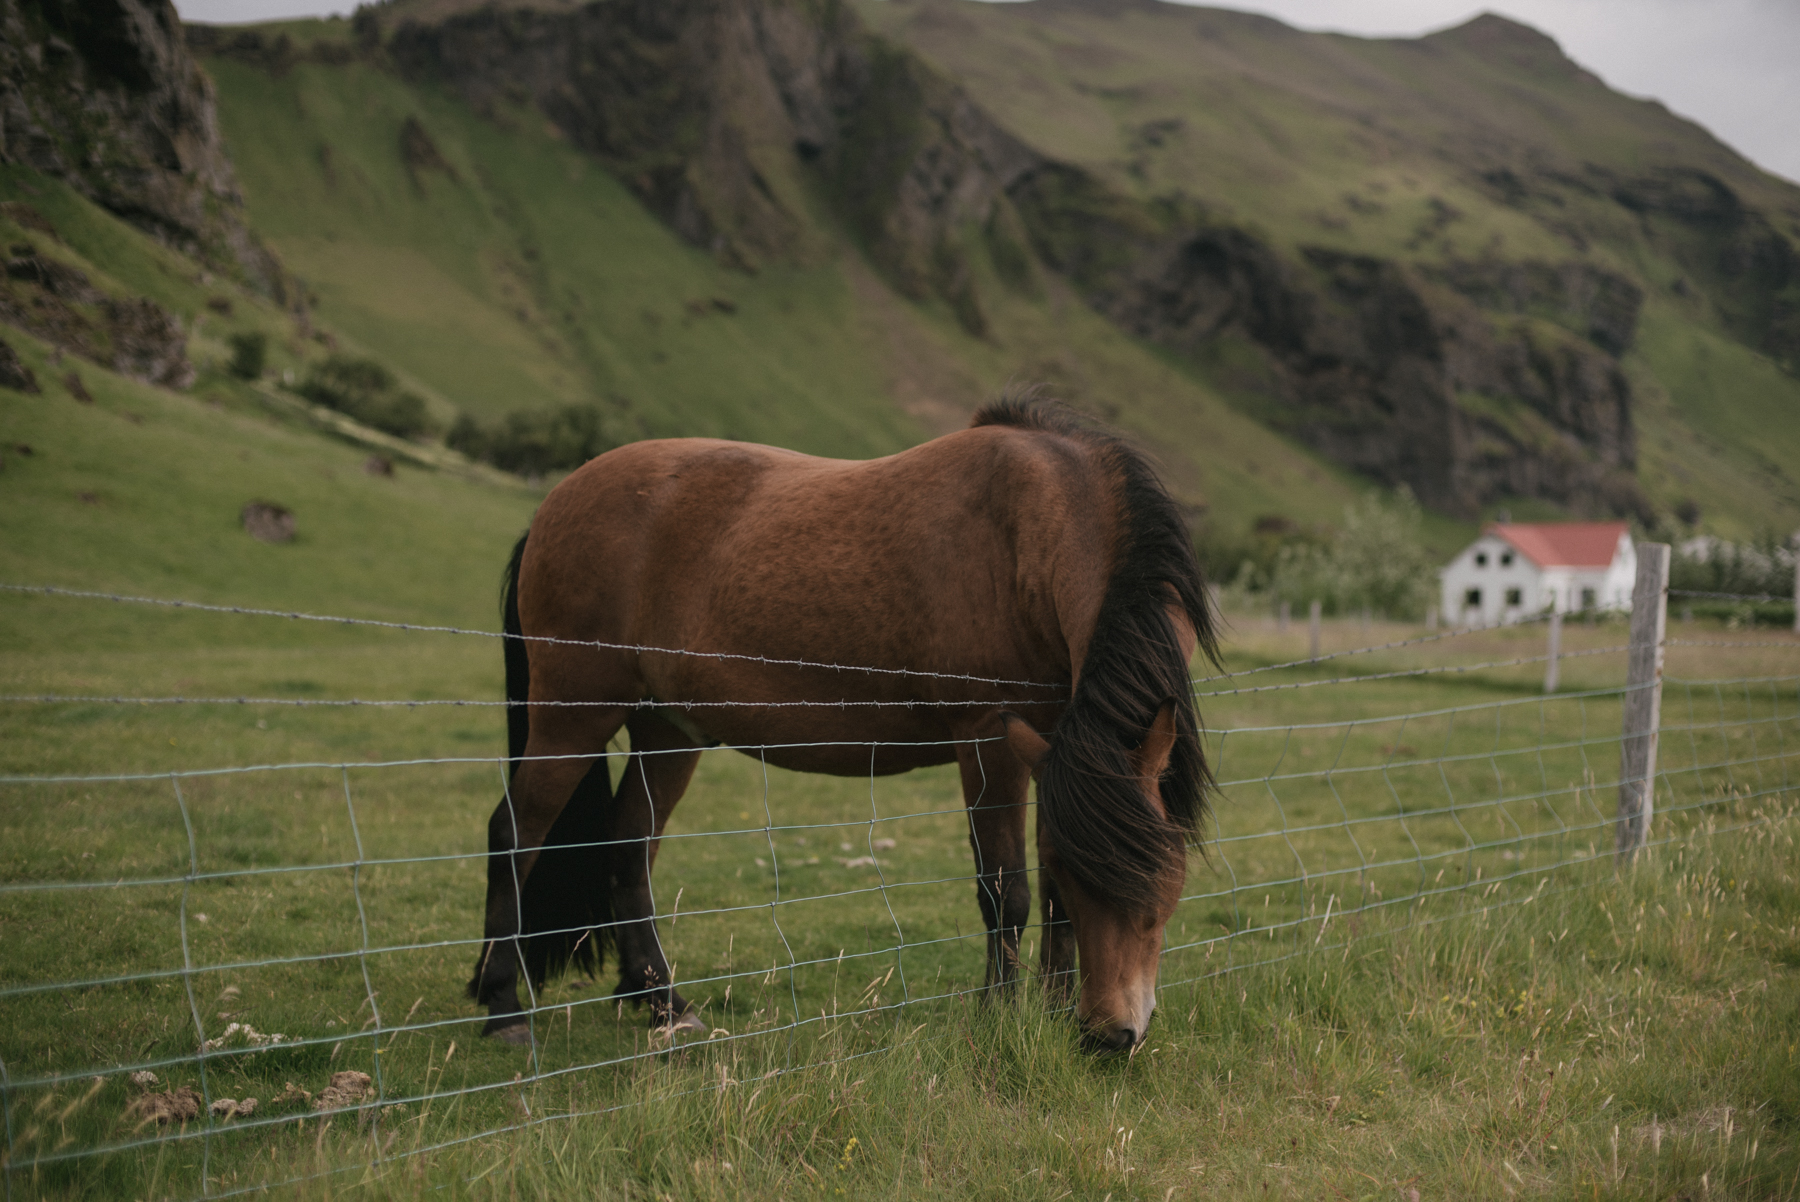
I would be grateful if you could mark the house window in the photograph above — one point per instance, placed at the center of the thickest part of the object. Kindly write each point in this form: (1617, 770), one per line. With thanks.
(1515, 596)
(1472, 599)
(1587, 598)
(1506, 559)
(1481, 559)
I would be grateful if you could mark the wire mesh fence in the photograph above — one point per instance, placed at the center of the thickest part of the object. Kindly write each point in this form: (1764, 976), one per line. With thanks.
(204, 961)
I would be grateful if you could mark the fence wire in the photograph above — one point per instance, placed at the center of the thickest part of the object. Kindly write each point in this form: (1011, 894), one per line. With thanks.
(282, 946)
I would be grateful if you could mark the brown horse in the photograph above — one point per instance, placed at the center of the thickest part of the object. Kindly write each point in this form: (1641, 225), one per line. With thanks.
(1028, 573)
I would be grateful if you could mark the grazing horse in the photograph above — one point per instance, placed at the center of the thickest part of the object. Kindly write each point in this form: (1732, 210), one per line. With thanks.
(1026, 574)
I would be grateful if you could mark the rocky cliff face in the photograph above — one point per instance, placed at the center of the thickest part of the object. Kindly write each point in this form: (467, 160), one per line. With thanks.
(1479, 380)
(103, 94)
(1483, 380)
(725, 115)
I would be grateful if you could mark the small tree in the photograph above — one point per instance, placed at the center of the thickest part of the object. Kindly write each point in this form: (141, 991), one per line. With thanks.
(1376, 562)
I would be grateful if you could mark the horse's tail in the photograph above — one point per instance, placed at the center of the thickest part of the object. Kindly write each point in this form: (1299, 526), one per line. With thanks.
(518, 663)
(565, 906)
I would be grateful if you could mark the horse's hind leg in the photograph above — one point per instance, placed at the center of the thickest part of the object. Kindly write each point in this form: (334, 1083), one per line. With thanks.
(535, 796)
(662, 763)
(994, 787)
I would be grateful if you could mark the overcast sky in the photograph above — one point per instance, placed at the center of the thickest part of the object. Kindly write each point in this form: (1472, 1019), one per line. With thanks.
(1732, 65)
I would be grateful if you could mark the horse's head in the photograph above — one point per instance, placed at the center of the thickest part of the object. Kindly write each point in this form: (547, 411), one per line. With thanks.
(1118, 932)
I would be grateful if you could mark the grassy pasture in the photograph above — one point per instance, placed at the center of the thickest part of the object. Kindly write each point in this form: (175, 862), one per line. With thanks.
(1325, 831)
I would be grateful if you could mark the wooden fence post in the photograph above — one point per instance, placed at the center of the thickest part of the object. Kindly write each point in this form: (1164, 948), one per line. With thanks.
(1312, 628)
(1553, 666)
(1795, 544)
(1643, 698)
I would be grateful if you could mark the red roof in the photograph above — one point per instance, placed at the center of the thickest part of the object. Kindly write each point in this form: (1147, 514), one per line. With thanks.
(1562, 544)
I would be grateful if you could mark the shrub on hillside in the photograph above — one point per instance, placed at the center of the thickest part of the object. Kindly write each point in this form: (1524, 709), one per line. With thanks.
(367, 391)
(249, 354)
(1764, 567)
(532, 442)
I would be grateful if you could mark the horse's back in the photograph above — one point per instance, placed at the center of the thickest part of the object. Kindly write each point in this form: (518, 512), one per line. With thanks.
(942, 558)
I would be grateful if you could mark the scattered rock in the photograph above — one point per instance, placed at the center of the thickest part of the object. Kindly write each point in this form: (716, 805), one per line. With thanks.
(243, 1033)
(143, 1078)
(231, 1108)
(858, 862)
(171, 1106)
(77, 389)
(57, 278)
(378, 465)
(148, 342)
(13, 372)
(290, 1094)
(268, 522)
(346, 1089)
(885, 845)
(420, 154)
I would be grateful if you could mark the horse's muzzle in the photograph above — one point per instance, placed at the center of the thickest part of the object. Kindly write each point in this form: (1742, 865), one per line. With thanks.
(1108, 1040)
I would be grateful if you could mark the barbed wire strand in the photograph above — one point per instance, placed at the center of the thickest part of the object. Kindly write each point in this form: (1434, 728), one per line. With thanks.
(596, 644)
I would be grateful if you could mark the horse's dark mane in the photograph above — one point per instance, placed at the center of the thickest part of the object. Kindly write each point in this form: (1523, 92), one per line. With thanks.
(1106, 837)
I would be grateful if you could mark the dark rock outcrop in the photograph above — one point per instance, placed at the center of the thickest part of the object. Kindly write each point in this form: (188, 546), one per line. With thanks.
(721, 114)
(104, 94)
(13, 372)
(133, 336)
(1730, 251)
(1377, 365)
(1599, 304)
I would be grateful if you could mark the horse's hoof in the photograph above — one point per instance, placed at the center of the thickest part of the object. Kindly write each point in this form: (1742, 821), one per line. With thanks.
(688, 1024)
(518, 1034)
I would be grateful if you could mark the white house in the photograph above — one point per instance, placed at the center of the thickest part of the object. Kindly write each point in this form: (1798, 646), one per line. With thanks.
(1519, 568)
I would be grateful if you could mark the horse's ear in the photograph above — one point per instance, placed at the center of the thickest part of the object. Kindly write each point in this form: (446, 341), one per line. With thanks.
(1152, 756)
(1026, 743)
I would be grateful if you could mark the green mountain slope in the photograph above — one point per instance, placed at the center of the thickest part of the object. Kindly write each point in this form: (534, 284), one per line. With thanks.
(503, 269)
(1482, 144)
(1298, 266)
(512, 271)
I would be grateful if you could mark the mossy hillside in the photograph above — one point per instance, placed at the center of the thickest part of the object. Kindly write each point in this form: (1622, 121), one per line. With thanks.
(123, 262)
(525, 275)
(521, 274)
(140, 491)
(1481, 142)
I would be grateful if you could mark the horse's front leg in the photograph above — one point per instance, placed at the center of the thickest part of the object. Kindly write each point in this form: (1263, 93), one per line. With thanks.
(1056, 957)
(662, 763)
(995, 789)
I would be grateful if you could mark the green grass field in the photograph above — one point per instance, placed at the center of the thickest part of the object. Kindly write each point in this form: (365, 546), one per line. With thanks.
(1389, 1047)
(1405, 964)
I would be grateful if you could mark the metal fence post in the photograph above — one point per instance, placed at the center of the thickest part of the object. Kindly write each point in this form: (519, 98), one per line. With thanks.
(1643, 698)
(1553, 666)
(1312, 628)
